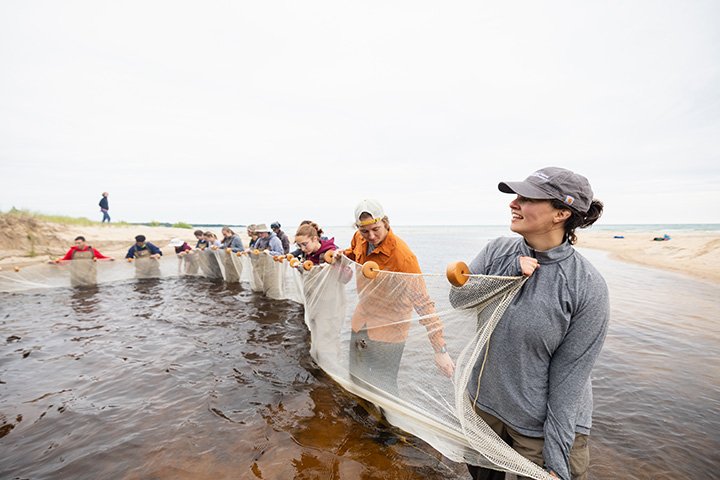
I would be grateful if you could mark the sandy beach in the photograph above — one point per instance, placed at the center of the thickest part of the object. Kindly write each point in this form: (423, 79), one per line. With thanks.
(25, 240)
(692, 253)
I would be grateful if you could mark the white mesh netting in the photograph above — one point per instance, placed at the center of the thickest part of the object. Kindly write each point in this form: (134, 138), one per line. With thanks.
(374, 337)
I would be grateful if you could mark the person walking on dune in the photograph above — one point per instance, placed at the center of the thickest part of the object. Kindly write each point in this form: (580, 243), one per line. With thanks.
(104, 207)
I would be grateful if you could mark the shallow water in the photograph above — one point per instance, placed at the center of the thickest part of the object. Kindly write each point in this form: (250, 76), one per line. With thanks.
(657, 382)
(180, 378)
(186, 378)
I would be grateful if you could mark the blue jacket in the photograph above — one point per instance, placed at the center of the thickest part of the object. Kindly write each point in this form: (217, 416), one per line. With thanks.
(148, 246)
(271, 243)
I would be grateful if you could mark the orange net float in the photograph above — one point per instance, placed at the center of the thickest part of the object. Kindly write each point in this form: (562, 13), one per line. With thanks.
(256, 252)
(239, 254)
(16, 268)
(294, 262)
(308, 264)
(228, 251)
(370, 269)
(457, 273)
(289, 256)
(329, 256)
(129, 260)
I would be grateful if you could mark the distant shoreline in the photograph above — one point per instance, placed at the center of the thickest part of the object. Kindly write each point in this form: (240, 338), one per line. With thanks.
(694, 253)
(694, 249)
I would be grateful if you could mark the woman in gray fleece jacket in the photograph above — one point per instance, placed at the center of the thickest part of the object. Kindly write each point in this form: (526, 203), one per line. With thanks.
(535, 388)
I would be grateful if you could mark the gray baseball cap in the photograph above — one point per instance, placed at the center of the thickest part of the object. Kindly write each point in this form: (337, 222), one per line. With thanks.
(554, 183)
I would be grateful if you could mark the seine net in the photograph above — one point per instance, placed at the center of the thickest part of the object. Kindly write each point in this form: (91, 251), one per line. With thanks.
(376, 337)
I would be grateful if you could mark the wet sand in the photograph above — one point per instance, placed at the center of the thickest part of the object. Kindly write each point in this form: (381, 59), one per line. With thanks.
(692, 253)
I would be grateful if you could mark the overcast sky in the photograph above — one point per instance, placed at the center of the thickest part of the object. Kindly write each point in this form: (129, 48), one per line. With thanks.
(246, 112)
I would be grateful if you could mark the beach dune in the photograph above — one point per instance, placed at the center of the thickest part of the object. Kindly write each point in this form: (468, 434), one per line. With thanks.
(26, 240)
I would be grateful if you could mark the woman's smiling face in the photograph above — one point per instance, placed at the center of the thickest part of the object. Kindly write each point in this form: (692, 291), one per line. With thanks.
(532, 216)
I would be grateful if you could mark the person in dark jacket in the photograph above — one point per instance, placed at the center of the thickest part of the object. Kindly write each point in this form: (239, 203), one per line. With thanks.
(282, 236)
(104, 207)
(201, 242)
(143, 248)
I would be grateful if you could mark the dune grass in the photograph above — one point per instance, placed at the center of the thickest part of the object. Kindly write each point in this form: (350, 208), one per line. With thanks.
(65, 220)
(61, 219)
(83, 221)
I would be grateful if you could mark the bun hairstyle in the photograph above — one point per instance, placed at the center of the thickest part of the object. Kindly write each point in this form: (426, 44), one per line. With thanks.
(309, 223)
(577, 219)
(229, 230)
(309, 229)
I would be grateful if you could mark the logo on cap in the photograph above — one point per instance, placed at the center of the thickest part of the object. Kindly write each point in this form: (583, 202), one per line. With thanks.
(569, 200)
(540, 175)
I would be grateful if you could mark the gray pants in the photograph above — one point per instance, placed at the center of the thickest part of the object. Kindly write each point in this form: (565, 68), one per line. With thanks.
(375, 363)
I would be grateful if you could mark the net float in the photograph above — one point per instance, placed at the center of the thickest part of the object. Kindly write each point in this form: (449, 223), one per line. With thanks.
(370, 269)
(294, 262)
(16, 268)
(457, 273)
(329, 256)
(308, 264)
(289, 256)
(239, 254)
(228, 251)
(256, 252)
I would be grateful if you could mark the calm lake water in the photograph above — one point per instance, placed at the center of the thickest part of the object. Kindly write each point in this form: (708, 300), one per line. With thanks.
(186, 378)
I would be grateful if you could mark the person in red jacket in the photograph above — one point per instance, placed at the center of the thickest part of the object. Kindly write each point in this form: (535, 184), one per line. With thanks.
(311, 244)
(82, 250)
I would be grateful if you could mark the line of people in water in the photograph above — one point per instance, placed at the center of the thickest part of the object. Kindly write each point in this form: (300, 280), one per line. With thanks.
(536, 390)
(309, 239)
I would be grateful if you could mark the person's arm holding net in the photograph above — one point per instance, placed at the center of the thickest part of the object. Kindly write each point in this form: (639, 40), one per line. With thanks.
(425, 307)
